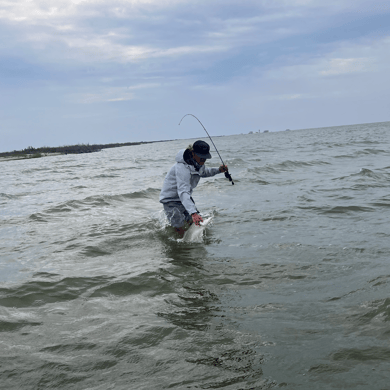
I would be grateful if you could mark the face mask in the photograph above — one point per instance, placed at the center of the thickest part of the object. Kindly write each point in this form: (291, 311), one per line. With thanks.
(189, 159)
(196, 165)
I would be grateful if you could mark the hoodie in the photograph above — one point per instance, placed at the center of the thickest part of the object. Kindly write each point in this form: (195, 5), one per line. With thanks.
(180, 181)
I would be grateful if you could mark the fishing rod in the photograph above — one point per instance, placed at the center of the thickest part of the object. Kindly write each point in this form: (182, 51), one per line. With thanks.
(227, 174)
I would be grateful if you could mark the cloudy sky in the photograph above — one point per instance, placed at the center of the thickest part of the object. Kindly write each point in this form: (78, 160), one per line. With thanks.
(100, 71)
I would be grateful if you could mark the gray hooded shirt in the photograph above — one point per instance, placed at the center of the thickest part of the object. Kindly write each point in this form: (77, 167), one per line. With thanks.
(180, 181)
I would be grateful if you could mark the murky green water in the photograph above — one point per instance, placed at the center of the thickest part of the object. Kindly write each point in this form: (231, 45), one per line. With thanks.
(289, 288)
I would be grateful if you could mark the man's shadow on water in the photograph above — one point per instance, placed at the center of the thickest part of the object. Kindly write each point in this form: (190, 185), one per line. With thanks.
(195, 305)
(207, 338)
(181, 254)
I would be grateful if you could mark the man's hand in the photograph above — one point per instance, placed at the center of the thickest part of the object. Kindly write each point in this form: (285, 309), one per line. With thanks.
(223, 168)
(196, 218)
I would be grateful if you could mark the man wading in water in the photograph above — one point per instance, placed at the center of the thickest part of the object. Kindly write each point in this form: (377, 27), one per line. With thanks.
(180, 181)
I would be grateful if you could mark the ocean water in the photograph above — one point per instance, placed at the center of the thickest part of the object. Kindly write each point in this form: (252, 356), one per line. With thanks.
(289, 287)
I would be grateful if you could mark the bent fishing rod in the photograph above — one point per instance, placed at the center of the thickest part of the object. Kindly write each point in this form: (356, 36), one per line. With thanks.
(227, 174)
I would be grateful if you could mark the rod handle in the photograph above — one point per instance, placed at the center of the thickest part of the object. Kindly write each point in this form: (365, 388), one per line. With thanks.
(227, 175)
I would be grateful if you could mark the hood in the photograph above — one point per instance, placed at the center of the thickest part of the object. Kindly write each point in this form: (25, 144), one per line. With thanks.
(180, 159)
(180, 156)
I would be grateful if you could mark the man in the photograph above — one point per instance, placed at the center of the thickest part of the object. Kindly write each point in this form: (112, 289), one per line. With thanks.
(180, 181)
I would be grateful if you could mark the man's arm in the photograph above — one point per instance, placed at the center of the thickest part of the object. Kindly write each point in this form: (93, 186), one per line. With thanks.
(208, 172)
(183, 177)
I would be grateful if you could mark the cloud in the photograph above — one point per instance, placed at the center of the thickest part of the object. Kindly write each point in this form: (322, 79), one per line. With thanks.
(110, 94)
(133, 31)
(347, 58)
(107, 96)
(37, 11)
(101, 61)
(339, 66)
(289, 97)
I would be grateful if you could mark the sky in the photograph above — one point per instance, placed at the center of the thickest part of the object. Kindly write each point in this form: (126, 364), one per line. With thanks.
(102, 71)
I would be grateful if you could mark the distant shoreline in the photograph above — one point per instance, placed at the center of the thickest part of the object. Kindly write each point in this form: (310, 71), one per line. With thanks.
(31, 152)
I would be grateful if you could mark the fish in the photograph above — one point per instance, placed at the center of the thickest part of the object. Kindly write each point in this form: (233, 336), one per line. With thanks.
(195, 232)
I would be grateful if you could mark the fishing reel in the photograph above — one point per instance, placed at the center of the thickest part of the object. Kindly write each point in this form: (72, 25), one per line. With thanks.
(227, 175)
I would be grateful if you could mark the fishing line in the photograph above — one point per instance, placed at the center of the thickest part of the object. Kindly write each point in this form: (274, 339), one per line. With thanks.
(227, 174)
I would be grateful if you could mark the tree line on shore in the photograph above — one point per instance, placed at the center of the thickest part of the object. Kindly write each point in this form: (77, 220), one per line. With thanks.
(69, 149)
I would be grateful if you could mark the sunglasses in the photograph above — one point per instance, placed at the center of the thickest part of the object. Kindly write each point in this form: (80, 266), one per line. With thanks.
(200, 158)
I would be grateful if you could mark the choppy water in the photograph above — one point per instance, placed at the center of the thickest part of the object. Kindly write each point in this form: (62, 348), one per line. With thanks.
(289, 288)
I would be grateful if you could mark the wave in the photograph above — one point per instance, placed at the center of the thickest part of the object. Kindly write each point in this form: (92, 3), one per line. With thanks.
(378, 309)
(382, 202)
(345, 358)
(14, 326)
(368, 142)
(363, 152)
(66, 348)
(50, 288)
(104, 176)
(260, 182)
(14, 196)
(96, 201)
(235, 162)
(7, 196)
(41, 292)
(366, 174)
(37, 169)
(362, 355)
(338, 209)
(149, 284)
(148, 193)
(80, 187)
(371, 151)
(290, 165)
(348, 209)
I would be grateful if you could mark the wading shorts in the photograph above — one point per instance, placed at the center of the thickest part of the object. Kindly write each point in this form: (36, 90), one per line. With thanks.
(177, 214)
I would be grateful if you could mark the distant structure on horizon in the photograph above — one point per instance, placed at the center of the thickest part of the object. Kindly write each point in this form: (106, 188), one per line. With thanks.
(287, 129)
(266, 131)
